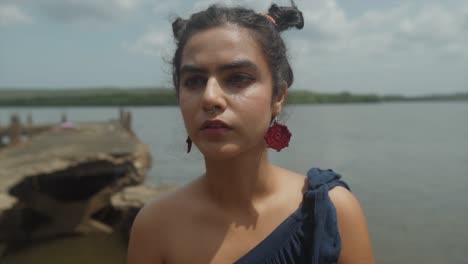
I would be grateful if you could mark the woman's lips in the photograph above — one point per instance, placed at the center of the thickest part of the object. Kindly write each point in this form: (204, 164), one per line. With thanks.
(215, 131)
(215, 127)
(214, 123)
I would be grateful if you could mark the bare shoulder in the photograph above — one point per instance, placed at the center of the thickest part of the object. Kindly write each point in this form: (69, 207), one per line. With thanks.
(292, 177)
(152, 227)
(356, 244)
(343, 199)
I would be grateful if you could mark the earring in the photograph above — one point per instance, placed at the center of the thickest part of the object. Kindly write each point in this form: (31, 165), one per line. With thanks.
(189, 144)
(278, 136)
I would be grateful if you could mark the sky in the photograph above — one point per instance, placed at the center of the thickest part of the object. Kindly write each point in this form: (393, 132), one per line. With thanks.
(361, 46)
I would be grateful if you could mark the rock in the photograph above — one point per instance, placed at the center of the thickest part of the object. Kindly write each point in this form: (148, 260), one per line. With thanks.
(62, 180)
(6, 202)
(131, 199)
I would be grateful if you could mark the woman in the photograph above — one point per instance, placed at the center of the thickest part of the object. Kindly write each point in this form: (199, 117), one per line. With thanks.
(231, 75)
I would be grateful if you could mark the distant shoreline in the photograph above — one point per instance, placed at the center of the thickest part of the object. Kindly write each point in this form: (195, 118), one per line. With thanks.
(167, 97)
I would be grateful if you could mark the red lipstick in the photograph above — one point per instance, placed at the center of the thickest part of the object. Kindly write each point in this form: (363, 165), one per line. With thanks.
(214, 123)
(215, 127)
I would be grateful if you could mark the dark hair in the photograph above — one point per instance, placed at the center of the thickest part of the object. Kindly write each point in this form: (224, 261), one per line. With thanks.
(264, 31)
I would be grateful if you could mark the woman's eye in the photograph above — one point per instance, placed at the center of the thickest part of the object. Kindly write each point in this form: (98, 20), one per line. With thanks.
(240, 80)
(195, 82)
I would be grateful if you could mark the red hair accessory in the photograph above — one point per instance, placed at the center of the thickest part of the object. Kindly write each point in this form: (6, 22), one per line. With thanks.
(278, 136)
(270, 18)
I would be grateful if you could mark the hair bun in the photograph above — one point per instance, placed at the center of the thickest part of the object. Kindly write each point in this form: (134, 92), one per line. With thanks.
(178, 27)
(286, 16)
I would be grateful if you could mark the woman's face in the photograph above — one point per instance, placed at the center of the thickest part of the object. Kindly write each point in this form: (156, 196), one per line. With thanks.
(224, 76)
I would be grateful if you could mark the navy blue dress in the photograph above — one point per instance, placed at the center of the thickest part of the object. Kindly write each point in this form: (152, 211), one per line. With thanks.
(309, 235)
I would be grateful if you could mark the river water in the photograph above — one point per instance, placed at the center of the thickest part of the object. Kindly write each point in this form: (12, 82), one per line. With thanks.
(407, 163)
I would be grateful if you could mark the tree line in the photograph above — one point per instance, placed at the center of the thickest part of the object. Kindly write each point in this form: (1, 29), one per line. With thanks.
(162, 97)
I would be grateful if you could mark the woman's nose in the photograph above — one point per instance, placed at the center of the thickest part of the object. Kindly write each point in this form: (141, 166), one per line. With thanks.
(213, 97)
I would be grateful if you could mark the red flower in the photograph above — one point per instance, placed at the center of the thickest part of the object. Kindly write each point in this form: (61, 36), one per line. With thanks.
(277, 137)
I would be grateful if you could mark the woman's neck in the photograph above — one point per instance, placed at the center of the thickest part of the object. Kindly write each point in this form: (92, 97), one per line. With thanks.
(238, 182)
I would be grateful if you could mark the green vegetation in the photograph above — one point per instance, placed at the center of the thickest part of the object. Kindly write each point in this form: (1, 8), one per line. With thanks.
(160, 96)
(305, 97)
(88, 97)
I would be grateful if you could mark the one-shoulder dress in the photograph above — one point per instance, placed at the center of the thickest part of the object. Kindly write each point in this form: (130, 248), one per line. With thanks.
(309, 235)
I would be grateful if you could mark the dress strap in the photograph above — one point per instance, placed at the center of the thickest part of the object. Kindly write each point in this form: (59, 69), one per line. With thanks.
(326, 242)
(317, 177)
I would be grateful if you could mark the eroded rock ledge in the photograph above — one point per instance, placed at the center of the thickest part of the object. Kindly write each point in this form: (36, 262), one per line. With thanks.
(80, 179)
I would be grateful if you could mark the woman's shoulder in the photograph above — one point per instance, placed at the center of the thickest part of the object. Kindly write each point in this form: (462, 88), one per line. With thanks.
(165, 208)
(350, 219)
(352, 225)
(155, 223)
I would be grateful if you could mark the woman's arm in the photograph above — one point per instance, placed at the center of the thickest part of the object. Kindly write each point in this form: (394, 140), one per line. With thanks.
(145, 241)
(356, 244)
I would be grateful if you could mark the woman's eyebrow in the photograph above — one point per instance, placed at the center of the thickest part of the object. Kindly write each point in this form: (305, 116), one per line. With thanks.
(237, 65)
(191, 69)
(225, 67)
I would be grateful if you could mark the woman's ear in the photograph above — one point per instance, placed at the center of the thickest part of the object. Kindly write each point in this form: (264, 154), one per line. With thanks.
(280, 99)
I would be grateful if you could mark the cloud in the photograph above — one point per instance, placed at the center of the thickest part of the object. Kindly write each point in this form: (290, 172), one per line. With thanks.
(407, 48)
(87, 11)
(12, 15)
(369, 52)
(431, 26)
(186, 8)
(157, 42)
(153, 43)
(260, 6)
(363, 53)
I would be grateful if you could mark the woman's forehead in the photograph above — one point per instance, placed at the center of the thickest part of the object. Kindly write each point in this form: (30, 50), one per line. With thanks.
(222, 45)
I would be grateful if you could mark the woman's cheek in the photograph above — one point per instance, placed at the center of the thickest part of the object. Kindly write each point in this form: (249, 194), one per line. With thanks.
(255, 97)
(186, 106)
(255, 110)
(187, 101)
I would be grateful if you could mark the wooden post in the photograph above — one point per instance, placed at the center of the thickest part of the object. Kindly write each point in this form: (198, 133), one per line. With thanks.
(15, 130)
(1, 139)
(30, 120)
(127, 121)
(64, 117)
(121, 116)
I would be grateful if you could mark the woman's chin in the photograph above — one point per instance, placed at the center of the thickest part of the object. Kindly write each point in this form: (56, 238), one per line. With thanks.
(228, 150)
(220, 151)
